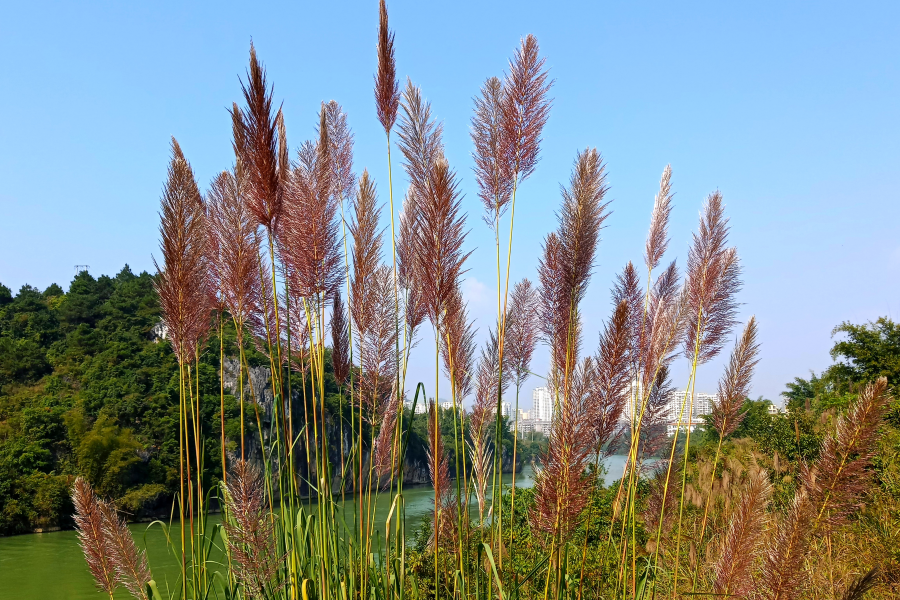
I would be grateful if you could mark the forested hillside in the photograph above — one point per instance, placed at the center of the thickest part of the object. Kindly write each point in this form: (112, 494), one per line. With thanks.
(87, 387)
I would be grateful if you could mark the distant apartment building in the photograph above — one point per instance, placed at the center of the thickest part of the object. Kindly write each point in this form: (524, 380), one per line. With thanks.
(421, 407)
(539, 418)
(542, 427)
(506, 409)
(679, 410)
(525, 427)
(542, 404)
(448, 405)
(531, 426)
(703, 404)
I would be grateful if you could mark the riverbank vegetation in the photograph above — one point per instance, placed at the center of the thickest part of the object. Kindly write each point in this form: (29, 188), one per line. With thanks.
(283, 264)
(89, 387)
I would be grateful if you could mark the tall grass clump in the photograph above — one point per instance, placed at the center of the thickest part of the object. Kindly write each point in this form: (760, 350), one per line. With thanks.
(287, 247)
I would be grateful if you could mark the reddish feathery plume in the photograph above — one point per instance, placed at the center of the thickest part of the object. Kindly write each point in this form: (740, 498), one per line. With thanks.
(377, 343)
(557, 324)
(733, 567)
(458, 345)
(664, 324)
(610, 389)
(414, 315)
(384, 462)
(438, 462)
(654, 434)
(211, 258)
(284, 152)
(414, 308)
(525, 108)
(735, 383)
(561, 486)
(250, 533)
(481, 465)
(841, 475)
(713, 280)
(260, 147)
(656, 503)
(236, 262)
(438, 247)
(367, 241)
(569, 256)
(182, 283)
(340, 340)
(627, 289)
(94, 543)
(130, 562)
(420, 140)
(387, 88)
(830, 490)
(783, 574)
(406, 237)
(293, 237)
(582, 216)
(299, 336)
(261, 325)
(665, 288)
(309, 242)
(238, 133)
(492, 165)
(439, 472)
(521, 331)
(488, 381)
(658, 238)
(340, 140)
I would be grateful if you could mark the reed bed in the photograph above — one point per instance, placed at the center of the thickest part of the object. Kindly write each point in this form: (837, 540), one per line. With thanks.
(284, 235)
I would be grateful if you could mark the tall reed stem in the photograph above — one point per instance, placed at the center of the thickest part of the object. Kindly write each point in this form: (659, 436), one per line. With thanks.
(712, 478)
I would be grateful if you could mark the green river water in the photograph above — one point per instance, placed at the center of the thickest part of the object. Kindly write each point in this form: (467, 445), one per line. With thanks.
(44, 566)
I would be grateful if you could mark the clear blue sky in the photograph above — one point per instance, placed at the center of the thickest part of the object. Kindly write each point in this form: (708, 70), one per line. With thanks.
(790, 109)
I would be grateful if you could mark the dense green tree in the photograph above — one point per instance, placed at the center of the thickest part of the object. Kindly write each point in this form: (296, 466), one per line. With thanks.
(85, 388)
(793, 435)
(868, 351)
(864, 353)
(5, 295)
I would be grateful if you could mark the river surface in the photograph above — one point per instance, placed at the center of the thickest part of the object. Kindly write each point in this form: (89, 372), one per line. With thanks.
(42, 566)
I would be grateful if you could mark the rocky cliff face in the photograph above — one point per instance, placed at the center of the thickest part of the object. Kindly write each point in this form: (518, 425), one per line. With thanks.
(258, 390)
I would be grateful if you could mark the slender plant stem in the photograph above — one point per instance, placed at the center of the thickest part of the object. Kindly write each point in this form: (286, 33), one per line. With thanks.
(181, 427)
(222, 395)
(712, 478)
(687, 447)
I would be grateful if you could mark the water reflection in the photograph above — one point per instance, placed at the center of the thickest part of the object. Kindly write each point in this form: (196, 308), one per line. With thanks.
(50, 565)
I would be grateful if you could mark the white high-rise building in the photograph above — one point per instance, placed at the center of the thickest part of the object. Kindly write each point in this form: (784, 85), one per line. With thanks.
(421, 407)
(542, 404)
(506, 409)
(679, 409)
(703, 404)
